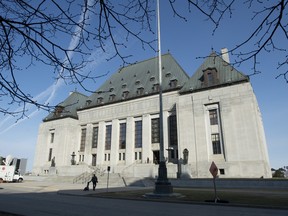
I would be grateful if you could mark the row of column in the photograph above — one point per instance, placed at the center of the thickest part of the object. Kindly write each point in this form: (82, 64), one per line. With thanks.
(147, 147)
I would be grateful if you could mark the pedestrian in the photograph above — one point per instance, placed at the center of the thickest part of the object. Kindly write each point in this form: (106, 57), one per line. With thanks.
(94, 181)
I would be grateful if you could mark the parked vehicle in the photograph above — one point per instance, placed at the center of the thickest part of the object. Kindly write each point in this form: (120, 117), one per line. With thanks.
(10, 174)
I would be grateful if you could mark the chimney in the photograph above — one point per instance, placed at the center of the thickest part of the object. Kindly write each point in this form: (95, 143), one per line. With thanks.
(225, 55)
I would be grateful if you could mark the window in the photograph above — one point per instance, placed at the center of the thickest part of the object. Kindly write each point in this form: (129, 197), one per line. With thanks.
(173, 83)
(124, 86)
(83, 139)
(108, 136)
(140, 155)
(50, 154)
(140, 91)
(155, 130)
(222, 171)
(138, 134)
(210, 77)
(52, 138)
(216, 143)
(99, 100)
(94, 159)
(136, 155)
(168, 74)
(120, 156)
(213, 117)
(112, 97)
(88, 102)
(155, 87)
(95, 137)
(173, 130)
(125, 94)
(122, 136)
(58, 110)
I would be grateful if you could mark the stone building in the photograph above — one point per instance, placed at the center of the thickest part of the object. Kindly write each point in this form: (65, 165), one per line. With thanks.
(211, 116)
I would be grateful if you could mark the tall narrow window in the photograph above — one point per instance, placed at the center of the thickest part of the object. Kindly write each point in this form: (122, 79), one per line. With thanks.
(213, 117)
(155, 130)
(50, 154)
(210, 79)
(108, 137)
(122, 136)
(83, 139)
(216, 143)
(94, 159)
(173, 130)
(52, 138)
(138, 134)
(95, 137)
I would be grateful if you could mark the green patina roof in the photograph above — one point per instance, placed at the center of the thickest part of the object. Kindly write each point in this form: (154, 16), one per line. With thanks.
(140, 75)
(68, 107)
(226, 75)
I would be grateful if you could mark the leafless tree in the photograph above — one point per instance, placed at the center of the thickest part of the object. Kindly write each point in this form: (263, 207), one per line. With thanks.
(33, 28)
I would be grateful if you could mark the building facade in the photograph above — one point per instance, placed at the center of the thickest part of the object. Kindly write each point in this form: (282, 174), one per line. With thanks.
(211, 116)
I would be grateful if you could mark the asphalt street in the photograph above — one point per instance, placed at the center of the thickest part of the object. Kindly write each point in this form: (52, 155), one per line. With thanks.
(43, 199)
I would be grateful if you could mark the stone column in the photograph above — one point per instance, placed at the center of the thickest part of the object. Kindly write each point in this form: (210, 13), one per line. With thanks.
(130, 133)
(101, 143)
(146, 138)
(114, 157)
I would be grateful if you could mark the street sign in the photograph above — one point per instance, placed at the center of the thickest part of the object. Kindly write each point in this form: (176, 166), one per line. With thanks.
(213, 169)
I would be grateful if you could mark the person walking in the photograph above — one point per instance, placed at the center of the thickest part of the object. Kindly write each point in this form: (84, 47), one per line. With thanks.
(94, 181)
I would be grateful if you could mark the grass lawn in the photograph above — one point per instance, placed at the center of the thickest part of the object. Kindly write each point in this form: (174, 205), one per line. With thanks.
(246, 197)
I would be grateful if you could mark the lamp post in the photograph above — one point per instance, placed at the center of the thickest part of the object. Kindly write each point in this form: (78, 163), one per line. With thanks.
(162, 185)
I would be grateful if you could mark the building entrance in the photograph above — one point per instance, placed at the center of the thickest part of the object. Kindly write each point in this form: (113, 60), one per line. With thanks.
(156, 157)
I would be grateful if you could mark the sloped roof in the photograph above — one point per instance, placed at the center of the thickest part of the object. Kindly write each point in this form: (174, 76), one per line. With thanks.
(141, 76)
(227, 74)
(68, 108)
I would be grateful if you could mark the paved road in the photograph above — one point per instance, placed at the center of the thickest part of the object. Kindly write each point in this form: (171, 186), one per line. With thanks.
(39, 199)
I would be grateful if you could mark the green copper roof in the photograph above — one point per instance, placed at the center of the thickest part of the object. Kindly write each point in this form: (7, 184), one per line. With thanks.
(68, 108)
(226, 75)
(138, 80)
(141, 79)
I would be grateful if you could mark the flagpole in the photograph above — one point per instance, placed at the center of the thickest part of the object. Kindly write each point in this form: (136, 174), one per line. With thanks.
(162, 185)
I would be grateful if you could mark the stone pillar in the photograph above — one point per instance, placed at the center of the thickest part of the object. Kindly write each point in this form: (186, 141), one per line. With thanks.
(114, 157)
(101, 143)
(130, 133)
(146, 138)
(165, 133)
(88, 144)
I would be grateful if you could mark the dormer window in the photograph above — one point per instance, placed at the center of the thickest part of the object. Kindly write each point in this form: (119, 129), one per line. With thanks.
(112, 97)
(111, 89)
(155, 87)
(137, 82)
(124, 86)
(168, 74)
(88, 102)
(173, 83)
(99, 100)
(210, 77)
(140, 91)
(125, 94)
(152, 78)
(58, 110)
